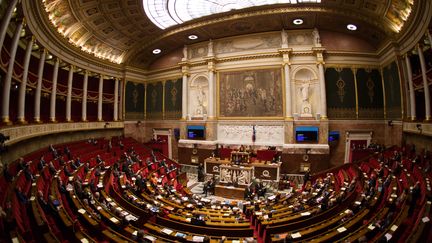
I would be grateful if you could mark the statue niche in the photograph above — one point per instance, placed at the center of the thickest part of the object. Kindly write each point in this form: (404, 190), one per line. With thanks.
(306, 96)
(198, 98)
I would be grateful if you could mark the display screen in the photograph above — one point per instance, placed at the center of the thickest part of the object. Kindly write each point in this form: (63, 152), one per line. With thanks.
(333, 136)
(306, 134)
(196, 132)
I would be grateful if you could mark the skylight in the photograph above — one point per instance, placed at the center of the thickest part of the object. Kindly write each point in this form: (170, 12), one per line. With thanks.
(167, 13)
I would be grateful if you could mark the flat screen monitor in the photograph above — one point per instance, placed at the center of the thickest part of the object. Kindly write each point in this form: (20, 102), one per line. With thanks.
(196, 132)
(306, 134)
(333, 136)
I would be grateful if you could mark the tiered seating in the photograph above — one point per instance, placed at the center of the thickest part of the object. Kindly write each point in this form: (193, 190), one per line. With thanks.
(103, 201)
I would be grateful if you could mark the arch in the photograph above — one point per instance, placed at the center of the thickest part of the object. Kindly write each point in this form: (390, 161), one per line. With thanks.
(302, 70)
(198, 96)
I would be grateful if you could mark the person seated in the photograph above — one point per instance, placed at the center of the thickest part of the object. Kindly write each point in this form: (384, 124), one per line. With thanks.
(6, 173)
(62, 187)
(28, 174)
(21, 164)
(67, 152)
(67, 172)
(22, 198)
(242, 149)
(41, 163)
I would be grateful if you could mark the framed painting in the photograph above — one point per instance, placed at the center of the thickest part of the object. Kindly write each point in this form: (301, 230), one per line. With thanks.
(250, 94)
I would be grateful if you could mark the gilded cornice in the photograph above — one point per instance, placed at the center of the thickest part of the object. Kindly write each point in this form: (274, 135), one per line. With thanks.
(248, 57)
(376, 22)
(19, 133)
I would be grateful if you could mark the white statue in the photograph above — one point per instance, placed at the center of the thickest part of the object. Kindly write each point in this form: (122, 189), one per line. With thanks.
(210, 48)
(305, 91)
(185, 54)
(284, 37)
(306, 110)
(201, 99)
(316, 37)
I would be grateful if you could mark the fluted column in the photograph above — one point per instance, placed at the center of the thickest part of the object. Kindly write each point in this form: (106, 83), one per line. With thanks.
(23, 86)
(69, 94)
(100, 98)
(411, 88)
(116, 89)
(84, 98)
(54, 91)
(211, 106)
(184, 95)
(185, 73)
(39, 86)
(425, 83)
(8, 78)
(6, 20)
(323, 99)
(211, 80)
(288, 106)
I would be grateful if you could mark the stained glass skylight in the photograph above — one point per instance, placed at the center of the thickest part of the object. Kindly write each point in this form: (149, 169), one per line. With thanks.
(167, 13)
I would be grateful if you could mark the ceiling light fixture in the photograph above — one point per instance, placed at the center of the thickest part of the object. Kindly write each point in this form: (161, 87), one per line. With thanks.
(156, 51)
(193, 37)
(351, 27)
(298, 21)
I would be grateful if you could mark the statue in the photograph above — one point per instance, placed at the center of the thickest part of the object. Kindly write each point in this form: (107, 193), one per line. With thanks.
(210, 48)
(185, 54)
(201, 98)
(284, 37)
(305, 91)
(316, 37)
(306, 110)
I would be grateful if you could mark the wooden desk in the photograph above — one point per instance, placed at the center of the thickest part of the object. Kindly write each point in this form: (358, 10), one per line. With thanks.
(262, 171)
(229, 192)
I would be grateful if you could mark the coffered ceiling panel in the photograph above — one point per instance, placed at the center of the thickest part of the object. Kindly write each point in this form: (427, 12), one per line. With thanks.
(120, 31)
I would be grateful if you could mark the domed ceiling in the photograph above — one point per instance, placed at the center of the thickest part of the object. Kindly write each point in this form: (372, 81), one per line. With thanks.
(121, 32)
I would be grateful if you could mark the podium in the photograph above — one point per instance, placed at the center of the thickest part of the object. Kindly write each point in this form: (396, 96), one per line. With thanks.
(235, 175)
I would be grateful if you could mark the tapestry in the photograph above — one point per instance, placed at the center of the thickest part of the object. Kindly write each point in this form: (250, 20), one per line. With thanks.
(134, 101)
(370, 94)
(392, 92)
(340, 92)
(251, 93)
(173, 99)
(154, 101)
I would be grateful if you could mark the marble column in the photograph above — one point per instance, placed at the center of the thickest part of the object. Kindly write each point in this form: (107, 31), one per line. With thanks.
(211, 106)
(8, 79)
(184, 96)
(323, 99)
(411, 88)
(84, 98)
(6, 20)
(23, 86)
(54, 91)
(288, 106)
(39, 86)
(116, 91)
(211, 79)
(100, 98)
(69, 94)
(425, 83)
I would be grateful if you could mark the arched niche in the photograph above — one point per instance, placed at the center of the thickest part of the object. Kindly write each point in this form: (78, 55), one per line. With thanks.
(198, 97)
(305, 91)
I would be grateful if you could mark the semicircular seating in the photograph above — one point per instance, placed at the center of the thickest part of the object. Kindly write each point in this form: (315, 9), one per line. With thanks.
(130, 193)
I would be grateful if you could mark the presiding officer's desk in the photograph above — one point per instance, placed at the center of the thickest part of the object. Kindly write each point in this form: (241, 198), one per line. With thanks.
(261, 170)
